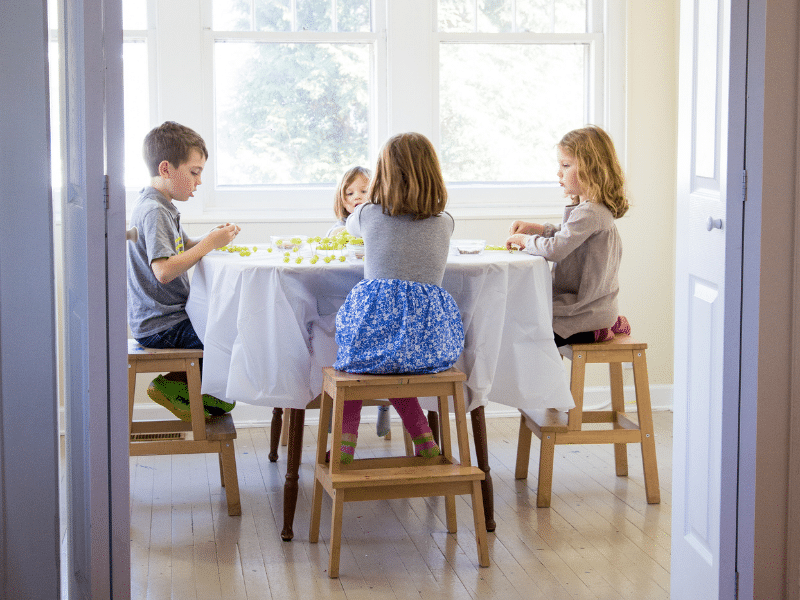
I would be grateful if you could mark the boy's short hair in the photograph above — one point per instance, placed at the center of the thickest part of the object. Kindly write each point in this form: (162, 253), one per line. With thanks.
(172, 142)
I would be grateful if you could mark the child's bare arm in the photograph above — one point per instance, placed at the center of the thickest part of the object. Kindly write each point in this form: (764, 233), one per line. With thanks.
(168, 268)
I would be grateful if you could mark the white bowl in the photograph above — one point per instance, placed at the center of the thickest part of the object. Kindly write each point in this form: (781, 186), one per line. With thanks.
(467, 246)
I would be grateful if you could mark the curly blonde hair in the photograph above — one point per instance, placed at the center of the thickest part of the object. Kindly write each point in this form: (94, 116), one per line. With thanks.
(347, 179)
(408, 179)
(599, 171)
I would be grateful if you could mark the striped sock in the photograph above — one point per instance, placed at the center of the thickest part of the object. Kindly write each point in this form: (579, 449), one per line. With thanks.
(425, 446)
(348, 448)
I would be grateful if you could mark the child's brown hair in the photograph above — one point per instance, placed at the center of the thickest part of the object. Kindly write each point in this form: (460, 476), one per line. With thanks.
(347, 179)
(408, 179)
(599, 171)
(172, 142)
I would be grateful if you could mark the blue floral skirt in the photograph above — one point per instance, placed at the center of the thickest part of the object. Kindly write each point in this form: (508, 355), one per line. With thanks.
(398, 326)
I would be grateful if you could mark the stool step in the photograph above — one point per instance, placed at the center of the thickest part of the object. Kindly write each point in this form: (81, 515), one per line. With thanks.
(432, 474)
(220, 428)
(548, 419)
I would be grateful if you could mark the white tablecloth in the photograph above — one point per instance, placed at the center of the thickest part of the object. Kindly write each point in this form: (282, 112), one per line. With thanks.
(268, 327)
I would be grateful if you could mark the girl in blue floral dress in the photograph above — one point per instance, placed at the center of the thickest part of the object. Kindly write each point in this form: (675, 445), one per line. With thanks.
(399, 319)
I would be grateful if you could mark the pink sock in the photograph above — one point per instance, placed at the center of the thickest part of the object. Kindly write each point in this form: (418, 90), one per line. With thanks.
(416, 423)
(603, 335)
(621, 326)
(350, 420)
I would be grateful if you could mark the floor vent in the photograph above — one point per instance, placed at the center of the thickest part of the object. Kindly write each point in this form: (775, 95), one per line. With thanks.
(151, 437)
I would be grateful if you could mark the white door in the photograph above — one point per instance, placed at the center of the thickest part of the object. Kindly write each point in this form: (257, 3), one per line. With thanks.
(98, 559)
(708, 297)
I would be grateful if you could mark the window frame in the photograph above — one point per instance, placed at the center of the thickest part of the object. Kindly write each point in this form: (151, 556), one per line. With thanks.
(404, 96)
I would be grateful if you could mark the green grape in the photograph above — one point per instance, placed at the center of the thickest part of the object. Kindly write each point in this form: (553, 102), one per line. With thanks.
(255, 248)
(296, 249)
(286, 259)
(287, 254)
(342, 259)
(314, 259)
(298, 260)
(296, 240)
(269, 249)
(328, 259)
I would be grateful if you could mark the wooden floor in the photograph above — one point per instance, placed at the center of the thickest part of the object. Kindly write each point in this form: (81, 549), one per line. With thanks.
(600, 539)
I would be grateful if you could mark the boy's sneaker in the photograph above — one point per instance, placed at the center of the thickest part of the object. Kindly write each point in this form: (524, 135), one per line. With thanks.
(172, 395)
(215, 406)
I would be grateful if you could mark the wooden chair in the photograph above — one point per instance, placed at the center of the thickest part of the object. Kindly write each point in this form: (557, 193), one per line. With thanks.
(396, 476)
(173, 436)
(554, 427)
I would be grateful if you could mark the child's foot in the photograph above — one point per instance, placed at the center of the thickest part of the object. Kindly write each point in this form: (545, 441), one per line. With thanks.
(425, 446)
(348, 448)
(603, 335)
(622, 326)
(172, 395)
(383, 427)
(215, 406)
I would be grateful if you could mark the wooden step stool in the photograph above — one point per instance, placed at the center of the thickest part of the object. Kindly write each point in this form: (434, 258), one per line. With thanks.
(396, 476)
(173, 436)
(557, 427)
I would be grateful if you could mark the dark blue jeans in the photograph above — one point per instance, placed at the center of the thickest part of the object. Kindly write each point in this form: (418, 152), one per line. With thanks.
(180, 335)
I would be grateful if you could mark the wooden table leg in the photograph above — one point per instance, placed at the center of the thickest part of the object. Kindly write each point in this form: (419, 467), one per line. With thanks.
(275, 433)
(297, 419)
(478, 417)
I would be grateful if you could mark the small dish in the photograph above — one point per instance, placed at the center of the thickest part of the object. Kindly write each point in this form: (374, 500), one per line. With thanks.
(288, 243)
(355, 251)
(467, 246)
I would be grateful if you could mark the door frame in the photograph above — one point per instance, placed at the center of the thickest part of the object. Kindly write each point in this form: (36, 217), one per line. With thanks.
(29, 447)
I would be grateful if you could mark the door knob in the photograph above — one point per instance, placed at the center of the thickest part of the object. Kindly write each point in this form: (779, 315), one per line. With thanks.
(713, 223)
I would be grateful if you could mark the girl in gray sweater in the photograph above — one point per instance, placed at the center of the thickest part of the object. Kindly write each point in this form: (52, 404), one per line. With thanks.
(585, 247)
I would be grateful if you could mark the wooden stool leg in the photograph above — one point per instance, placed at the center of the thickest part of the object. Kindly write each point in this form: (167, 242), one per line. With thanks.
(297, 419)
(446, 448)
(433, 423)
(523, 450)
(480, 525)
(649, 462)
(228, 456)
(408, 442)
(618, 406)
(275, 433)
(316, 512)
(478, 417)
(546, 470)
(336, 533)
(221, 470)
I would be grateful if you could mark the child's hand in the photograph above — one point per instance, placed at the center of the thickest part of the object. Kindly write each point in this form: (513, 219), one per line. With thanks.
(525, 228)
(516, 241)
(222, 235)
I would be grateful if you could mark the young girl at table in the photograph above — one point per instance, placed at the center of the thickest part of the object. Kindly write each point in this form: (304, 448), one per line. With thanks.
(351, 192)
(399, 319)
(586, 246)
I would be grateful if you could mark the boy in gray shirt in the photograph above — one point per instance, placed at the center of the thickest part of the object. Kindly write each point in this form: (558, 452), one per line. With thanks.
(158, 262)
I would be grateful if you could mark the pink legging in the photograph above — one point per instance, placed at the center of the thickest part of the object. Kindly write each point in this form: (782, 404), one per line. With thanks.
(410, 412)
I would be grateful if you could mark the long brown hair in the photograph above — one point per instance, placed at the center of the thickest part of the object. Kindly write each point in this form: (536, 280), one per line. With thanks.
(599, 171)
(408, 179)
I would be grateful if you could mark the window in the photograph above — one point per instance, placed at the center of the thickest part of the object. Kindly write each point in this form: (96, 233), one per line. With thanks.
(290, 93)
